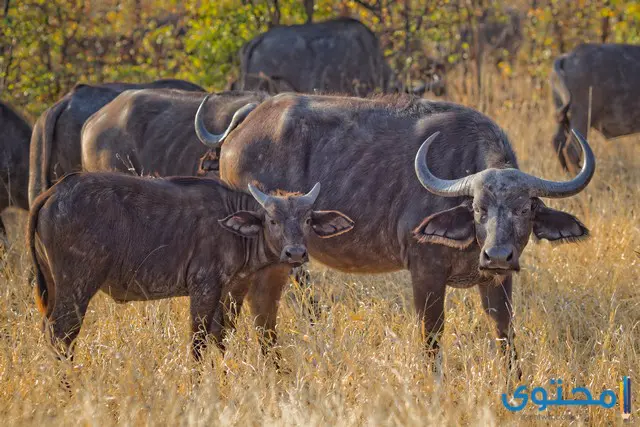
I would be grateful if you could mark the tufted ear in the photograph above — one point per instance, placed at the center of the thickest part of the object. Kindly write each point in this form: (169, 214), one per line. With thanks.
(330, 223)
(243, 223)
(453, 227)
(557, 226)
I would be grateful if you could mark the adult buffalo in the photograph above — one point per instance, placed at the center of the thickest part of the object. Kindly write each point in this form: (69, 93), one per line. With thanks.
(469, 229)
(55, 143)
(14, 158)
(584, 82)
(150, 131)
(340, 55)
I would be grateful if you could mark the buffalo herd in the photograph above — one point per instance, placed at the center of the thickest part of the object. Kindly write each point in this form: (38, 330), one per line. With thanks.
(150, 191)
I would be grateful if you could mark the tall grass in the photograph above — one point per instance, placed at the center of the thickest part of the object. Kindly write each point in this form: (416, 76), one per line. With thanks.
(577, 317)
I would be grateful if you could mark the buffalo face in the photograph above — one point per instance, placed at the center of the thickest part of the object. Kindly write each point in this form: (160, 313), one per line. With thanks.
(502, 207)
(286, 221)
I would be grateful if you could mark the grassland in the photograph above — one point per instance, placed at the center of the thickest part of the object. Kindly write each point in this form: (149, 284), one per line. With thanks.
(577, 317)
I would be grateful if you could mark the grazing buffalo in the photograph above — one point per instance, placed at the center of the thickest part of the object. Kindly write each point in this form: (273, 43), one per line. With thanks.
(15, 133)
(595, 85)
(150, 131)
(469, 229)
(55, 143)
(340, 55)
(140, 239)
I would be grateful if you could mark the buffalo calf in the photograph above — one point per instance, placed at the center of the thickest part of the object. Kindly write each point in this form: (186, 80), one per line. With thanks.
(141, 239)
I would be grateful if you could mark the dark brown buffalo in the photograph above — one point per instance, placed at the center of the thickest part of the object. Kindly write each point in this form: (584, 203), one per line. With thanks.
(15, 133)
(140, 239)
(340, 55)
(470, 232)
(55, 143)
(150, 131)
(597, 82)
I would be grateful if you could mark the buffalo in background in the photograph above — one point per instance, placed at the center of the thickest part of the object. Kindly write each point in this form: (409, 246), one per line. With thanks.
(150, 131)
(55, 143)
(340, 55)
(15, 134)
(598, 86)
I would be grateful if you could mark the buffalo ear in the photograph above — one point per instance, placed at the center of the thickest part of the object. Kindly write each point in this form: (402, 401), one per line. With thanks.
(243, 223)
(557, 226)
(453, 227)
(330, 223)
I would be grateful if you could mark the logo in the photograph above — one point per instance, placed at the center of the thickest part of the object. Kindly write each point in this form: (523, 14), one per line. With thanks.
(581, 396)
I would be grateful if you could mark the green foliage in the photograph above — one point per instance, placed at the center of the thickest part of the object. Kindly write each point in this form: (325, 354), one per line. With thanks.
(217, 34)
(47, 46)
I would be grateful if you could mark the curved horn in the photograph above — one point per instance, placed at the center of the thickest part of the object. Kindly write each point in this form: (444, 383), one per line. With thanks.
(212, 140)
(262, 198)
(441, 187)
(543, 188)
(207, 138)
(312, 195)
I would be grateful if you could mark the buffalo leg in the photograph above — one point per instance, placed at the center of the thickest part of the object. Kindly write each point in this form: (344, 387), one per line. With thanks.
(65, 320)
(559, 143)
(428, 297)
(232, 300)
(496, 301)
(265, 299)
(207, 320)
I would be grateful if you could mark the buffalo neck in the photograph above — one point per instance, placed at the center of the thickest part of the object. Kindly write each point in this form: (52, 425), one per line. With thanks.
(257, 253)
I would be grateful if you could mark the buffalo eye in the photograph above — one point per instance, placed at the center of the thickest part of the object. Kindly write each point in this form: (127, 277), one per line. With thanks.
(273, 221)
(482, 212)
(524, 210)
(308, 221)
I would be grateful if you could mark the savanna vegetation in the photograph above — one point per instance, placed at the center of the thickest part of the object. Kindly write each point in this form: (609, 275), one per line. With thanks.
(577, 306)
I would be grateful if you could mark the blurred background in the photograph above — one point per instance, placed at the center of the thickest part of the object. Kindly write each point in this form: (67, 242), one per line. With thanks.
(47, 46)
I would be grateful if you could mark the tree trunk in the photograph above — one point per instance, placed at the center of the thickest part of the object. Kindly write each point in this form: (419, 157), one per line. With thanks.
(308, 7)
(275, 14)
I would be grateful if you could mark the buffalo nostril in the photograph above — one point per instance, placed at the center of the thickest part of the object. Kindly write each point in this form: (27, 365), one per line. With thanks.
(288, 254)
(510, 256)
(486, 256)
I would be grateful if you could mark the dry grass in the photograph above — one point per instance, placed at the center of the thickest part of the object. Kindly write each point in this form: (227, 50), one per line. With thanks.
(577, 318)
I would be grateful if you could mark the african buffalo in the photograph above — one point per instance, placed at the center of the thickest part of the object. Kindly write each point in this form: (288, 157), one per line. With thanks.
(340, 55)
(141, 238)
(55, 143)
(150, 131)
(464, 232)
(15, 133)
(595, 85)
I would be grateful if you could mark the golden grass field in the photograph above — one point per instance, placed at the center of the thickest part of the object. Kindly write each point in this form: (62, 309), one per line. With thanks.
(577, 317)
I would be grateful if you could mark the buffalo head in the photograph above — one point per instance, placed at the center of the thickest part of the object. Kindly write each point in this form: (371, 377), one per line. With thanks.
(285, 222)
(501, 209)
